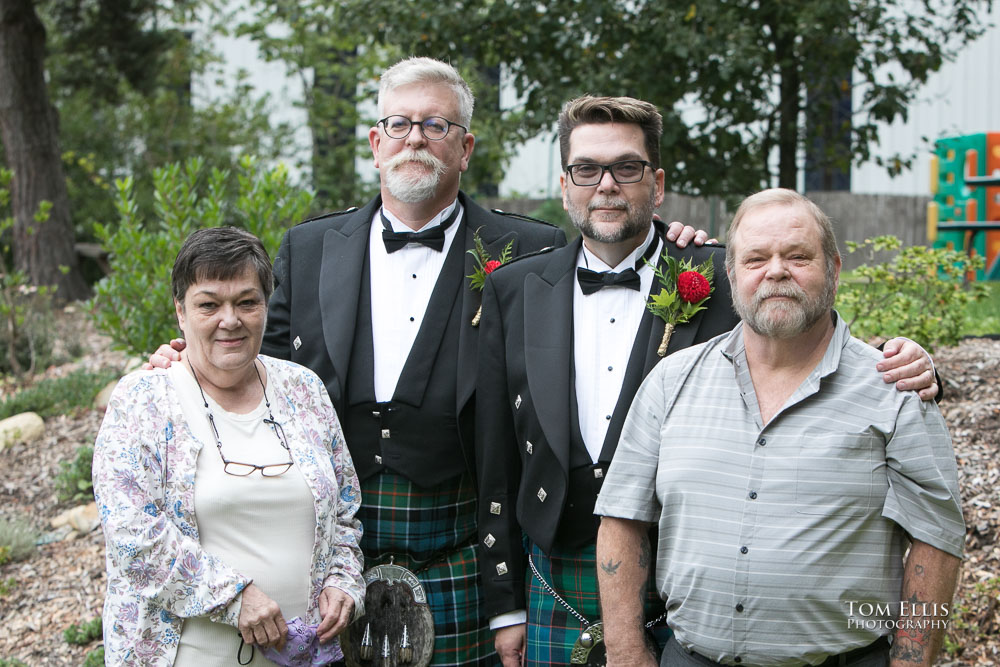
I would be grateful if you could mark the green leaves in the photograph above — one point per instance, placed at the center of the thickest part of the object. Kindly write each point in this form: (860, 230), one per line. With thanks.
(134, 304)
(919, 293)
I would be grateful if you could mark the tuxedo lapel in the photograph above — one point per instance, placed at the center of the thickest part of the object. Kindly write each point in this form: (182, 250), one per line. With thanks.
(341, 268)
(548, 346)
(495, 238)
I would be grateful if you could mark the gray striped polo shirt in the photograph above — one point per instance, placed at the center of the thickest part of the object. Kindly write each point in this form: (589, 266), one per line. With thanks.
(782, 544)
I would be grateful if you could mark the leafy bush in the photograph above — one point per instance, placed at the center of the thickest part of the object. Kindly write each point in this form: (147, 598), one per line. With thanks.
(920, 293)
(94, 658)
(57, 396)
(972, 616)
(133, 305)
(8, 584)
(83, 634)
(74, 479)
(17, 540)
(11, 662)
(25, 310)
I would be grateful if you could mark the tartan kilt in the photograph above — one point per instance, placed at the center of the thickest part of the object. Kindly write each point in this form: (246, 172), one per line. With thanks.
(432, 532)
(552, 630)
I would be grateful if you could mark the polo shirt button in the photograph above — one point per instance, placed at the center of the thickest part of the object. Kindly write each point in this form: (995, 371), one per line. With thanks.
(607, 417)
(612, 320)
(737, 659)
(611, 368)
(411, 319)
(739, 606)
(753, 495)
(762, 442)
(743, 550)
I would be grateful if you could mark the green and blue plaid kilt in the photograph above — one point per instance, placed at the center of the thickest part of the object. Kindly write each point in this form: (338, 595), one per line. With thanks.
(552, 630)
(432, 532)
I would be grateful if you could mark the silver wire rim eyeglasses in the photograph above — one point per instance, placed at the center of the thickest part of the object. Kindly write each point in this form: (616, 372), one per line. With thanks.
(238, 468)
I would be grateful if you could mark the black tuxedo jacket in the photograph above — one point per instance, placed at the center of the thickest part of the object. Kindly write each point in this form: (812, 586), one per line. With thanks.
(318, 280)
(523, 394)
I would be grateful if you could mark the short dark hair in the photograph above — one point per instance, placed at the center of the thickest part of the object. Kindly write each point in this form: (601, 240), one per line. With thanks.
(220, 253)
(588, 110)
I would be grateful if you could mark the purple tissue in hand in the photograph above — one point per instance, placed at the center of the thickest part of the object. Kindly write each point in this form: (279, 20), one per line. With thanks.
(302, 648)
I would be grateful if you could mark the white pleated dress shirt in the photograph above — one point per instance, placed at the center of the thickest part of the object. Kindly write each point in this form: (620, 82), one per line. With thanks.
(401, 287)
(604, 328)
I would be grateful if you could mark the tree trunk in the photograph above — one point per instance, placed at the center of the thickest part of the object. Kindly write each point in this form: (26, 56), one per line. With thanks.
(29, 129)
(788, 122)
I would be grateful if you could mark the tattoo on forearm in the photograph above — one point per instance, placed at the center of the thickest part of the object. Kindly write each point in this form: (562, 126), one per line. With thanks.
(918, 570)
(645, 553)
(610, 568)
(913, 639)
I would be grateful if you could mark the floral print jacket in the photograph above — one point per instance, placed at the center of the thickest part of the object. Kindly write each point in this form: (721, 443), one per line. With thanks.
(144, 468)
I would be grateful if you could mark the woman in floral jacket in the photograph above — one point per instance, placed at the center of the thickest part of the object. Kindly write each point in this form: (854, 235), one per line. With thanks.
(225, 489)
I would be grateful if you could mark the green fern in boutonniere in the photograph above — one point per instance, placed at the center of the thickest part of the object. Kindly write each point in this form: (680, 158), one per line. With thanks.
(684, 291)
(485, 265)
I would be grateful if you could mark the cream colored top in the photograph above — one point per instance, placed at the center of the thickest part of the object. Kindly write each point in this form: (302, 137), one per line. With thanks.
(262, 527)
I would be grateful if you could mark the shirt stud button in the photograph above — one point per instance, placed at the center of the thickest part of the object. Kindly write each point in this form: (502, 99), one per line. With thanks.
(743, 550)
(610, 368)
(737, 660)
(612, 320)
(762, 442)
(607, 417)
(753, 495)
(739, 607)
(412, 319)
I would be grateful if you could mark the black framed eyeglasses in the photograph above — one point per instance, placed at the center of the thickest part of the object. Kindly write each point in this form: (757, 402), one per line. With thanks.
(624, 171)
(434, 128)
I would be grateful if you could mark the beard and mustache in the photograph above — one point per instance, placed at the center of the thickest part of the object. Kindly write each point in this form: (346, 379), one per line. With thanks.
(638, 217)
(786, 318)
(413, 186)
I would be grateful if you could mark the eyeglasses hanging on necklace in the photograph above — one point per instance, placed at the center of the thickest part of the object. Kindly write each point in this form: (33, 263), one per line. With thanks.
(238, 468)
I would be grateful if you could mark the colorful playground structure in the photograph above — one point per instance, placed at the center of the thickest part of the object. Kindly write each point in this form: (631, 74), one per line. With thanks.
(965, 212)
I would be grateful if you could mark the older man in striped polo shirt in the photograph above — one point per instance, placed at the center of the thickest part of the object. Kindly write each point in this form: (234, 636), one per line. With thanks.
(787, 483)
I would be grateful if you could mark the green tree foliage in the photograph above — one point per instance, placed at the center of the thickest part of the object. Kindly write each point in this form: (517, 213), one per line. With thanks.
(731, 78)
(133, 305)
(919, 293)
(129, 78)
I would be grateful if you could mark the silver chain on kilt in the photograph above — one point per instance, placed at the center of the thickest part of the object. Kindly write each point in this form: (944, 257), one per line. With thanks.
(558, 598)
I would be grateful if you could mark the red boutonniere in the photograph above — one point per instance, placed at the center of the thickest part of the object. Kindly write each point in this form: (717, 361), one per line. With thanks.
(484, 267)
(684, 291)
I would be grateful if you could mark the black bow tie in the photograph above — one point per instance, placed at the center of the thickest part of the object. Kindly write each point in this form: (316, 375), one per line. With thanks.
(431, 238)
(592, 281)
